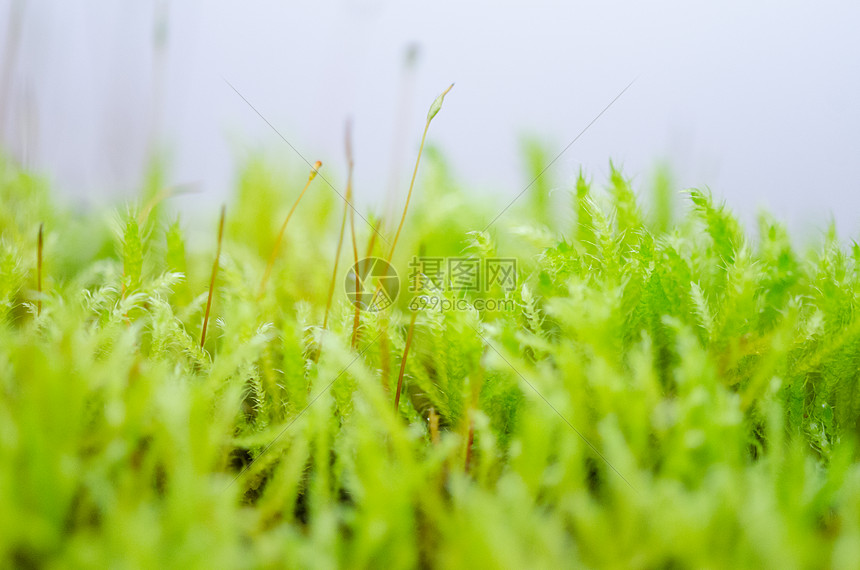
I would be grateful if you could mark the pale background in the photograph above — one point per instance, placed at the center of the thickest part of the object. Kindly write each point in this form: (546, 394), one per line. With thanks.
(758, 101)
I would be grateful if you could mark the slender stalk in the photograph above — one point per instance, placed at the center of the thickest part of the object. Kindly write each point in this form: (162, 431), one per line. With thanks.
(372, 242)
(356, 321)
(437, 104)
(214, 275)
(280, 237)
(409, 334)
(470, 440)
(334, 270)
(403, 360)
(384, 353)
(39, 269)
(433, 420)
(384, 362)
(346, 205)
(434, 109)
(409, 194)
(476, 383)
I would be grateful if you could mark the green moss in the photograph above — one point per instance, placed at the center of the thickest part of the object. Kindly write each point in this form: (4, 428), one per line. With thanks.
(664, 390)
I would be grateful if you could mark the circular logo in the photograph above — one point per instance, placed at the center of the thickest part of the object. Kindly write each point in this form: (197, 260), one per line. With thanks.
(372, 284)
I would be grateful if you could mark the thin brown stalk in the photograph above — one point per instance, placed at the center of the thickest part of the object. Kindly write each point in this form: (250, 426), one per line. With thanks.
(385, 363)
(357, 317)
(384, 352)
(408, 195)
(346, 203)
(409, 334)
(39, 269)
(342, 230)
(280, 237)
(214, 275)
(433, 420)
(403, 360)
(470, 440)
(334, 269)
(476, 383)
(433, 110)
(371, 242)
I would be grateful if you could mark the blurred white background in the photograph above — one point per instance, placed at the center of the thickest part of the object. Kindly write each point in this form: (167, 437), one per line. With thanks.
(758, 101)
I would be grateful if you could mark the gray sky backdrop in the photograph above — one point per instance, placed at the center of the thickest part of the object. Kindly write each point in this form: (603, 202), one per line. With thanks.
(756, 100)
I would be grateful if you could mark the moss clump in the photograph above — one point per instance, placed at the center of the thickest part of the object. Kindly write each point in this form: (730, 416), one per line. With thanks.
(661, 391)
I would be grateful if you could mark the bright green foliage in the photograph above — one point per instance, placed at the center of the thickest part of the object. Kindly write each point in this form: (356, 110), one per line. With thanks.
(661, 390)
(537, 156)
(132, 253)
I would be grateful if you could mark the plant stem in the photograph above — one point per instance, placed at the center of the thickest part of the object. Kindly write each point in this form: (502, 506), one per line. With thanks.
(409, 334)
(403, 360)
(339, 246)
(280, 237)
(434, 109)
(39, 269)
(409, 194)
(346, 203)
(470, 440)
(357, 317)
(433, 420)
(214, 275)
(415, 172)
